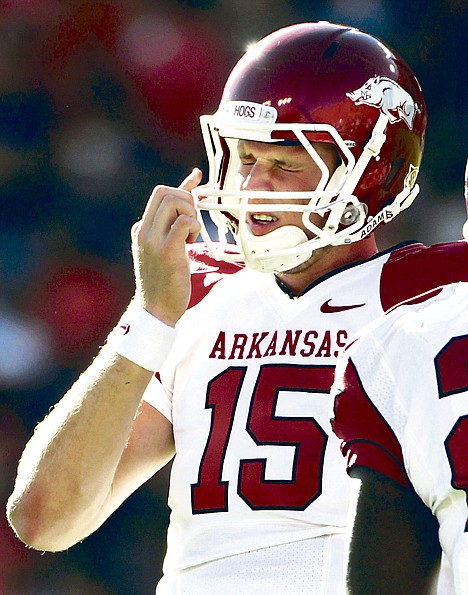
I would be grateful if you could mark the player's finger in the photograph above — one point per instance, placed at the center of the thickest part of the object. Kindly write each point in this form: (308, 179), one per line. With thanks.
(159, 195)
(170, 209)
(135, 230)
(159, 192)
(184, 229)
(192, 180)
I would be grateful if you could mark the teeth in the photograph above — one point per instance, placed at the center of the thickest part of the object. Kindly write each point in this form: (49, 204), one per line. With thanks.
(263, 217)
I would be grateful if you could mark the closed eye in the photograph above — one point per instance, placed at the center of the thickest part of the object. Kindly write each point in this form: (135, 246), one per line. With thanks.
(288, 168)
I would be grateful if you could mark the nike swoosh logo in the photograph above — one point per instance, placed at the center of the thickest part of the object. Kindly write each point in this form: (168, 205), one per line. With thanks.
(326, 308)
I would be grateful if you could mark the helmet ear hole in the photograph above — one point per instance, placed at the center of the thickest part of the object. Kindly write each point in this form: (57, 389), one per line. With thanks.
(395, 169)
(331, 50)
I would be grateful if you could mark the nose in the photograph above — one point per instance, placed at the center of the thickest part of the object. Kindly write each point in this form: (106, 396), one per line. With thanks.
(258, 178)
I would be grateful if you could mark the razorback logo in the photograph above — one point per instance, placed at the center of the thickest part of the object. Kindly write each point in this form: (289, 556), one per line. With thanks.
(387, 96)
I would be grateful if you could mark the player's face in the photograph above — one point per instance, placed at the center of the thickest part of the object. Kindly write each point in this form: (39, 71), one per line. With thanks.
(277, 168)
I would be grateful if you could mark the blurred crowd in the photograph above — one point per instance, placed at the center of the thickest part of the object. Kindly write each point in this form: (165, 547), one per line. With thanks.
(99, 101)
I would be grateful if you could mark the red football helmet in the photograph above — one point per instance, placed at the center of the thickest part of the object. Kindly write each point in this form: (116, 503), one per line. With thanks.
(316, 82)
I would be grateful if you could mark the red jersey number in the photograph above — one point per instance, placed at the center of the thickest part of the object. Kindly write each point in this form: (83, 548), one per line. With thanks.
(210, 493)
(452, 377)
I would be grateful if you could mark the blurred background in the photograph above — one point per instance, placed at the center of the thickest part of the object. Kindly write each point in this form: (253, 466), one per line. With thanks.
(99, 101)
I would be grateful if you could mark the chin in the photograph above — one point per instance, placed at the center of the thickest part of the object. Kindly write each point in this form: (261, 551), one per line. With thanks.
(300, 268)
(316, 255)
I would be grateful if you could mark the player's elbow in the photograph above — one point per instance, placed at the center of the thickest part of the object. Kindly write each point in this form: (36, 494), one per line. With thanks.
(26, 525)
(37, 530)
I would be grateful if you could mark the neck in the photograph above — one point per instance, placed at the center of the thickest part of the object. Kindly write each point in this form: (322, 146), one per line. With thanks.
(324, 261)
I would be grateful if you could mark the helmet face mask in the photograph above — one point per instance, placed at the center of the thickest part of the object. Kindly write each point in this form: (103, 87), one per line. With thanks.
(289, 90)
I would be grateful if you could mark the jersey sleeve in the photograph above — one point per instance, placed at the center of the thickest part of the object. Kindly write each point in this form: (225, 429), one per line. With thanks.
(156, 396)
(367, 440)
(416, 269)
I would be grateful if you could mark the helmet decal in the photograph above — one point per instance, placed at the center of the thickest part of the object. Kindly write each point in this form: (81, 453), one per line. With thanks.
(410, 178)
(389, 97)
(248, 111)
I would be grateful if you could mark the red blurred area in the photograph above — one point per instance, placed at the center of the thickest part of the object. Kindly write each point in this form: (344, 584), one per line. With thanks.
(177, 66)
(172, 67)
(80, 302)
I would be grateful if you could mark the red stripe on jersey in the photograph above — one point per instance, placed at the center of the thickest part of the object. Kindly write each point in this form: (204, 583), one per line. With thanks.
(367, 439)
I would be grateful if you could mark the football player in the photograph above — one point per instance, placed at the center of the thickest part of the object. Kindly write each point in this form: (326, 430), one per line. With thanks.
(317, 141)
(406, 444)
(401, 410)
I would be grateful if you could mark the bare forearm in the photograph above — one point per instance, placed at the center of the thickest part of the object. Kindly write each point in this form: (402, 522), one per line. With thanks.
(93, 451)
(66, 472)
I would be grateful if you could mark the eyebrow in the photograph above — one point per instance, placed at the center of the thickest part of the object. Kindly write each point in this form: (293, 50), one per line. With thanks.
(241, 150)
(243, 154)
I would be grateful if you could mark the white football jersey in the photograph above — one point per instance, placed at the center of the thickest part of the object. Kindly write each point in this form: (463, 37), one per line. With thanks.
(258, 477)
(401, 408)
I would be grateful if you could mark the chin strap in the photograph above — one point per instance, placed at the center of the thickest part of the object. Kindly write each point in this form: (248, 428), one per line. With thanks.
(371, 150)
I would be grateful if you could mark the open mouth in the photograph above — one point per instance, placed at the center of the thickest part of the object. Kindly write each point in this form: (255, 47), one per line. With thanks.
(263, 218)
(261, 222)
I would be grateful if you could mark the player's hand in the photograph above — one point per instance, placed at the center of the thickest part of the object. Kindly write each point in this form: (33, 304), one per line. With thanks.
(162, 269)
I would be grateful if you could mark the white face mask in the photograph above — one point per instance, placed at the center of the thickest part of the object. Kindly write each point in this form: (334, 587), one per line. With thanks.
(225, 230)
(280, 250)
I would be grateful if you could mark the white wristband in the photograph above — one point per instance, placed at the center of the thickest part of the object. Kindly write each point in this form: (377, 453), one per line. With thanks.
(142, 338)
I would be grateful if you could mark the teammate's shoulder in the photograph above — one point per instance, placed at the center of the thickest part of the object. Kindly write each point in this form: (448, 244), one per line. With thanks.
(413, 269)
(411, 251)
(410, 321)
(439, 308)
(206, 271)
